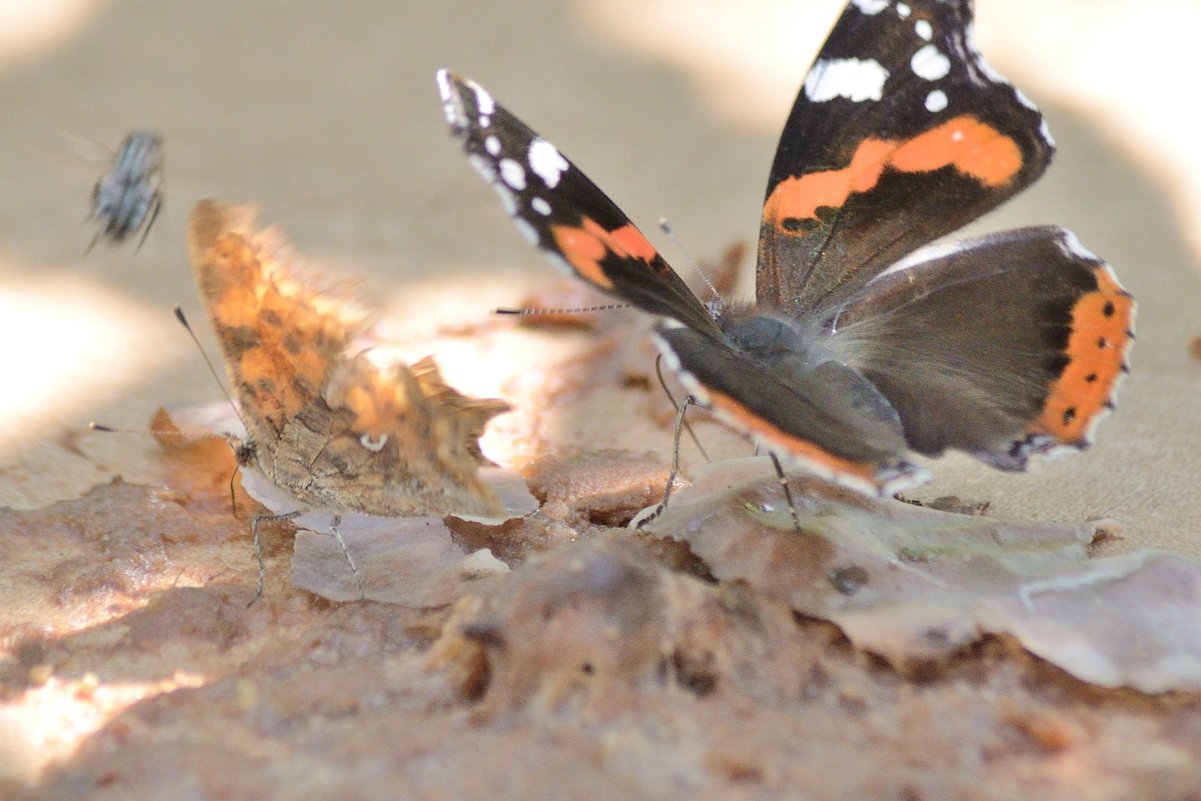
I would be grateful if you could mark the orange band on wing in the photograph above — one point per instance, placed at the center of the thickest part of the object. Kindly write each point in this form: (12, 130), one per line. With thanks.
(965, 143)
(1101, 322)
(797, 447)
(584, 247)
(970, 146)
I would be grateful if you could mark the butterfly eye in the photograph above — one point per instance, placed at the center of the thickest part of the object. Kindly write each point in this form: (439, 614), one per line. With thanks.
(374, 444)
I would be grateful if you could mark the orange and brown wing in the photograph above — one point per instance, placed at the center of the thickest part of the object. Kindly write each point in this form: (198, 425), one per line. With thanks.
(403, 442)
(334, 429)
(278, 336)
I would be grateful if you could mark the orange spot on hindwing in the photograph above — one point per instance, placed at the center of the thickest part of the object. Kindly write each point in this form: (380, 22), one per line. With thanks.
(1101, 323)
(971, 147)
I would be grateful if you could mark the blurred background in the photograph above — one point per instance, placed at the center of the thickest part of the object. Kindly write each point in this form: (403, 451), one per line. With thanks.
(327, 115)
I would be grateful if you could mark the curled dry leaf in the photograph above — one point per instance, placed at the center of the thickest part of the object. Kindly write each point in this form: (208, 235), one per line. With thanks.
(915, 585)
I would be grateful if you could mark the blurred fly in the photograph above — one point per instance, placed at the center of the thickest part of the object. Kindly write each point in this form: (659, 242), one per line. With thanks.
(127, 198)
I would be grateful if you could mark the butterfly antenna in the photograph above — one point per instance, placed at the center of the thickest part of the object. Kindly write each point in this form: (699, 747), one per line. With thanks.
(92, 244)
(156, 204)
(183, 320)
(665, 226)
(107, 429)
(530, 312)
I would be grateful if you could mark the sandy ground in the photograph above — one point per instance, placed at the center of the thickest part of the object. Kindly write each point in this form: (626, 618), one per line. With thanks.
(327, 115)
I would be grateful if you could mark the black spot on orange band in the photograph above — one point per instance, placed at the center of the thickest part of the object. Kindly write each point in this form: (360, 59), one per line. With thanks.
(1096, 351)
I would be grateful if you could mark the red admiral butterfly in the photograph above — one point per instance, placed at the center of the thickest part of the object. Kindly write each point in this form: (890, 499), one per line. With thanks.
(864, 343)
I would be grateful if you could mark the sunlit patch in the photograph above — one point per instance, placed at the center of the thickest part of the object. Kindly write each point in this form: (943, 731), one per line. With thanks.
(27, 29)
(47, 723)
(74, 345)
(1139, 110)
(745, 60)
(450, 317)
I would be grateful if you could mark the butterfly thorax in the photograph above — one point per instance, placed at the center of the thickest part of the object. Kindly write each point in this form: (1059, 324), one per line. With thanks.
(796, 361)
(764, 336)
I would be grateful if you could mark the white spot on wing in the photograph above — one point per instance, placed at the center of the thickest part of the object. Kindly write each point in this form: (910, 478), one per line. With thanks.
(492, 145)
(374, 444)
(903, 10)
(1024, 100)
(1072, 246)
(870, 7)
(1044, 131)
(452, 103)
(924, 29)
(512, 174)
(483, 100)
(936, 101)
(929, 63)
(482, 166)
(986, 69)
(541, 206)
(851, 78)
(547, 162)
(443, 78)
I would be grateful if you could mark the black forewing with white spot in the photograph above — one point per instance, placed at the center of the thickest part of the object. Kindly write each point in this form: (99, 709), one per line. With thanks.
(864, 174)
(556, 207)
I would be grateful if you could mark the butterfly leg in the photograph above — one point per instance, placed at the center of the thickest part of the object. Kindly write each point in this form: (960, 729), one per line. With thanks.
(333, 526)
(675, 465)
(156, 203)
(258, 547)
(796, 518)
(672, 398)
(92, 244)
